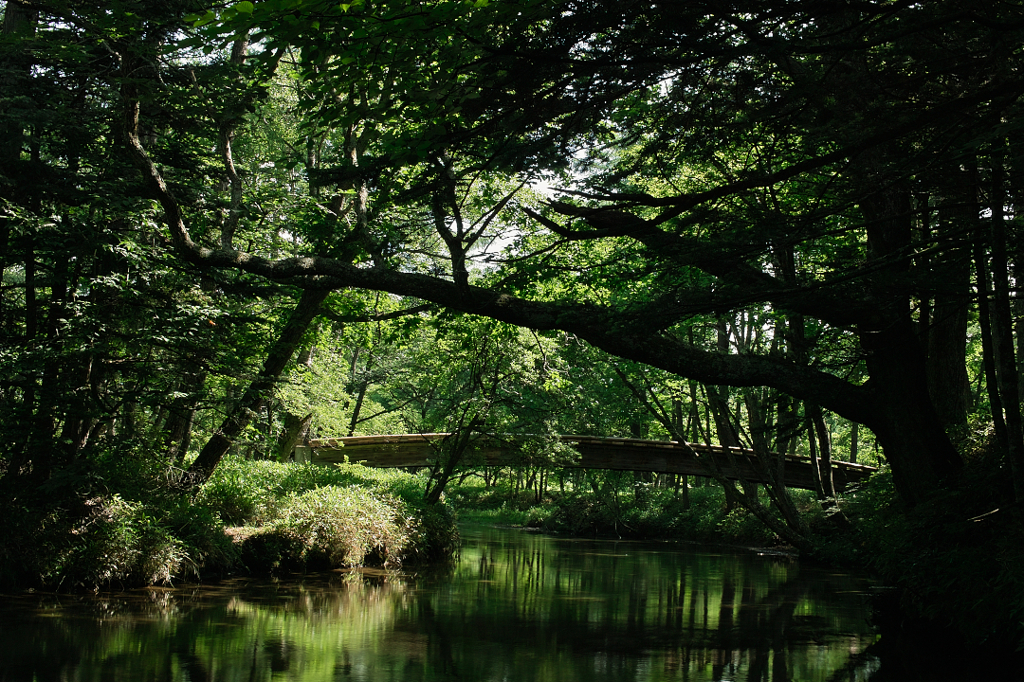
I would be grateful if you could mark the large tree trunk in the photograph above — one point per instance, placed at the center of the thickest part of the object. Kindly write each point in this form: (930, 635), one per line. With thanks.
(904, 420)
(948, 384)
(255, 395)
(19, 23)
(15, 71)
(902, 414)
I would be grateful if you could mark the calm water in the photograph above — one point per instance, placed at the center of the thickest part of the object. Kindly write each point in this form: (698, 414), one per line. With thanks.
(515, 607)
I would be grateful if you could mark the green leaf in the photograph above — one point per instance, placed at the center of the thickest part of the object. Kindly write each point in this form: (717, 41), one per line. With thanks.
(207, 18)
(244, 7)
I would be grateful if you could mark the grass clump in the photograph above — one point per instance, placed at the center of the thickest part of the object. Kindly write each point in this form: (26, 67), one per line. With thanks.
(126, 543)
(307, 516)
(245, 491)
(112, 541)
(332, 526)
(89, 540)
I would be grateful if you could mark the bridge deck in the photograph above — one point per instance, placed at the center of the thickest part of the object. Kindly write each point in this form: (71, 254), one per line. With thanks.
(623, 454)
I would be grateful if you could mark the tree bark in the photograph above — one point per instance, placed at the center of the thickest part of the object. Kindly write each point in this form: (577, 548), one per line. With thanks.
(15, 70)
(252, 400)
(902, 414)
(1002, 327)
(948, 384)
(904, 420)
(294, 430)
(19, 23)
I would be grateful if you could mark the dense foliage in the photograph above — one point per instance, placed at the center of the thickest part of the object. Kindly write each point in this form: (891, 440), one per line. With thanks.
(788, 225)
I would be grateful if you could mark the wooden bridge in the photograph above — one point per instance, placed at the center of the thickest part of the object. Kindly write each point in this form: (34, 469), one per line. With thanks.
(623, 454)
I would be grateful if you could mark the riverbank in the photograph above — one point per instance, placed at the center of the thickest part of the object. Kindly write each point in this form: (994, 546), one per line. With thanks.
(251, 517)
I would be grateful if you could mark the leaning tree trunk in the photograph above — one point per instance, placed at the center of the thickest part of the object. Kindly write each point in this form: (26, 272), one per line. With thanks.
(453, 449)
(255, 395)
(818, 430)
(820, 448)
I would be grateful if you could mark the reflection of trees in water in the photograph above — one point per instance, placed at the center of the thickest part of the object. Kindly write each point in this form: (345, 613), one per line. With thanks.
(514, 608)
(240, 631)
(628, 607)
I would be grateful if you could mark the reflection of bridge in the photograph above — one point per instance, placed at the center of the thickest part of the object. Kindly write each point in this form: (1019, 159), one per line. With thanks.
(624, 454)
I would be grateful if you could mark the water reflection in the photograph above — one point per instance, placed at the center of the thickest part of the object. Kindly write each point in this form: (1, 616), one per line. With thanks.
(515, 607)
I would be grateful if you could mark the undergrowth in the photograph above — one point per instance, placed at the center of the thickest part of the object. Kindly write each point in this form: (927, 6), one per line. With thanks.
(123, 521)
(625, 510)
(957, 559)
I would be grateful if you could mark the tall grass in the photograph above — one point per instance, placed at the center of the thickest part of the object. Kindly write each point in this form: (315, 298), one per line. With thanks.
(288, 515)
(250, 516)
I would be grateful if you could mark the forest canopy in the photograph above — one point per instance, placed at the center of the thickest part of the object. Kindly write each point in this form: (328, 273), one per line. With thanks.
(812, 202)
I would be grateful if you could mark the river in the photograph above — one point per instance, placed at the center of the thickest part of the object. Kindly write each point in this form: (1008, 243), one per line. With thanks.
(515, 607)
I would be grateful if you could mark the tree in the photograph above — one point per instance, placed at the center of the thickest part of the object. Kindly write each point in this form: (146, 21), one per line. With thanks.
(696, 149)
(479, 382)
(109, 342)
(702, 142)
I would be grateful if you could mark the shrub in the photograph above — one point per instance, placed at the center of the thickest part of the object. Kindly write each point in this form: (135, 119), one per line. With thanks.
(311, 516)
(739, 525)
(347, 525)
(956, 558)
(118, 541)
(248, 492)
(436, 537)
(209, 548)
(72, 531)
